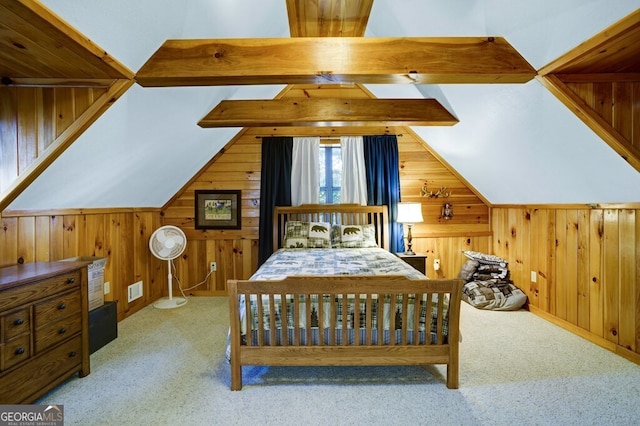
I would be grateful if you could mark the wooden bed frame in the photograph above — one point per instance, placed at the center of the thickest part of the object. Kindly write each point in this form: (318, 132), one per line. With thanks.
(330, 353)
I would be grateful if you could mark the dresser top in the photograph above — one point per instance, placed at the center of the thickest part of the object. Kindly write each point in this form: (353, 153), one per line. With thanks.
(12, 276)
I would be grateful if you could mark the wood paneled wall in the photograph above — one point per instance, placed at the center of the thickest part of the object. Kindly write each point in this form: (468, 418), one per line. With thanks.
(449, 251)
(235, 251)
(31, 119)
(587, 269)
(238, 166)
(122, 236)
(617, 102)
(436, 237)
(419, 166)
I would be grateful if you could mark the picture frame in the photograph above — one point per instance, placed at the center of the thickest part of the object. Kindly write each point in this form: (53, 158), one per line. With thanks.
(218, 209)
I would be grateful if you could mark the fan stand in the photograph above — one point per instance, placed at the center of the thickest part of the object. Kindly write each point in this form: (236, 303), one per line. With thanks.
(170, 302)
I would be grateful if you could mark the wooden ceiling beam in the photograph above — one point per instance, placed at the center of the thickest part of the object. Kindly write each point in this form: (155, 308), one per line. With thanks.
(57, 82)
(328, 18)
(600, 78)
(304, 60)
(40, 44)
(616, 49)
(328, 112)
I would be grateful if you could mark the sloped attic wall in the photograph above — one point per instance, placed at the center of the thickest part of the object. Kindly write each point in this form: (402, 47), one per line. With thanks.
(495, 120)
(32, 119)
(239, 167)
(517, 144)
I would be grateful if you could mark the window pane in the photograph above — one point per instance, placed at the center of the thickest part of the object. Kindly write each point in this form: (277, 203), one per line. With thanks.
(336, 196)
(330, 174)
(337, 167)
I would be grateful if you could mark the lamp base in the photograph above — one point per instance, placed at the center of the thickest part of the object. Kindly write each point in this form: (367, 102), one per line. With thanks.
(409, 252)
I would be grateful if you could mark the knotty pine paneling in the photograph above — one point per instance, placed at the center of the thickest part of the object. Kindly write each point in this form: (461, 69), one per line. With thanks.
(618, 103)
(635, 126)
(587, 266)
(235, 251)
(8, 138)
(31, 119)
(120, 236)
(419, 167)
(449, 251)
(596, 290)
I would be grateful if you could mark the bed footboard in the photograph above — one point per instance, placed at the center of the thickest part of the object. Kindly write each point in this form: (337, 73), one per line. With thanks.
(344, 320)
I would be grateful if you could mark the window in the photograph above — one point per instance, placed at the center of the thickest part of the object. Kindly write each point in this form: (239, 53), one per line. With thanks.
(330, 174)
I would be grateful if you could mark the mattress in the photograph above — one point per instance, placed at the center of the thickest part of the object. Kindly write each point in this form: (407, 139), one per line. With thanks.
(335, 261)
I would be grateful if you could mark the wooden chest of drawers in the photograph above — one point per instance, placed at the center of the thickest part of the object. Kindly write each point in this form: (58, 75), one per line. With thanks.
(44, 328)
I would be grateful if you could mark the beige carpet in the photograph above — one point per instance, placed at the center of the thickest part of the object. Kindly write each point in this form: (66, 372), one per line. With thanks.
(167, 367)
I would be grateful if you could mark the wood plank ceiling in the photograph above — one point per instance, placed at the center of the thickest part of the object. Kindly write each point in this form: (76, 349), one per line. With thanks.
(40, 49)
(613, 54)
(609, 60)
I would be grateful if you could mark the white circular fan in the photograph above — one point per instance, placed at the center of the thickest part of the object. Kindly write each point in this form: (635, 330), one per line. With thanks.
(167, 243)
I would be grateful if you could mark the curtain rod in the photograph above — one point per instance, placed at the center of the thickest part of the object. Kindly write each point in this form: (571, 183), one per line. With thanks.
(321, 137)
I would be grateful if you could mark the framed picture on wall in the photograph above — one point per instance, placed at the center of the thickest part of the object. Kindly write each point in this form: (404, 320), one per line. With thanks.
(218, 209)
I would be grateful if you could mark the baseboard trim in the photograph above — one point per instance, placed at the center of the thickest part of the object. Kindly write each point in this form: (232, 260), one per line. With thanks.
(585, 334)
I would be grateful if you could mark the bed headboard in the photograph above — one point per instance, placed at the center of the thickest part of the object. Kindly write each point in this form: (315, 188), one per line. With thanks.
(341, 214)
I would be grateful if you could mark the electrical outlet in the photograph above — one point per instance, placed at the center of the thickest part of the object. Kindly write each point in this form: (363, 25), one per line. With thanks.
(436, 264)
(107, 287)
(212, 266)
(534, 276)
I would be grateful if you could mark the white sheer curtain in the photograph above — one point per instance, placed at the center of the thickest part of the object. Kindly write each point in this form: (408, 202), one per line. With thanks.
(305, 188)
(354, 178)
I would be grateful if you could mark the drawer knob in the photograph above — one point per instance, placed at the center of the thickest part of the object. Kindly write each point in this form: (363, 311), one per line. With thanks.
(72, 354)
(71, 280)
(62, 306)
(19, 351)
(62, 330)
(18, 321)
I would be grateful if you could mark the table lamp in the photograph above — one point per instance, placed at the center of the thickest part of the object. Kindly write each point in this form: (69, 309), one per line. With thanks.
(409, 213)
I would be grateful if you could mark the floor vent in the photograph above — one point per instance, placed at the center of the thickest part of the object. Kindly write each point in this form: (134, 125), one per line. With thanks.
(135, 291)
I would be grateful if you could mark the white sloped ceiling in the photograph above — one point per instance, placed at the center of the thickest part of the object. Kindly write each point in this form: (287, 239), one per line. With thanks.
(516, 144)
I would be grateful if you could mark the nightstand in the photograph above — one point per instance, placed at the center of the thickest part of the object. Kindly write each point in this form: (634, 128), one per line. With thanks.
(418, 261)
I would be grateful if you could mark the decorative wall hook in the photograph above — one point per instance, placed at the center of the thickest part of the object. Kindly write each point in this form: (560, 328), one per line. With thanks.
(442, 192)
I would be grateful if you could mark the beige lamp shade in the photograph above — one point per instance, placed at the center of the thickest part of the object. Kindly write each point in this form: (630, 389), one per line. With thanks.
(409, 213)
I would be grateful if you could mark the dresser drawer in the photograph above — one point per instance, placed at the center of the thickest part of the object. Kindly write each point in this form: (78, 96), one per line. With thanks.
(43, 328)
(14, 297)
(56, 332)
(57, 308)
(15, 351)
(22, 384)
(15, 323)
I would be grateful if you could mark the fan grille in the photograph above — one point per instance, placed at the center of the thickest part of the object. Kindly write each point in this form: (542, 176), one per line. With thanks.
(167, 242)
